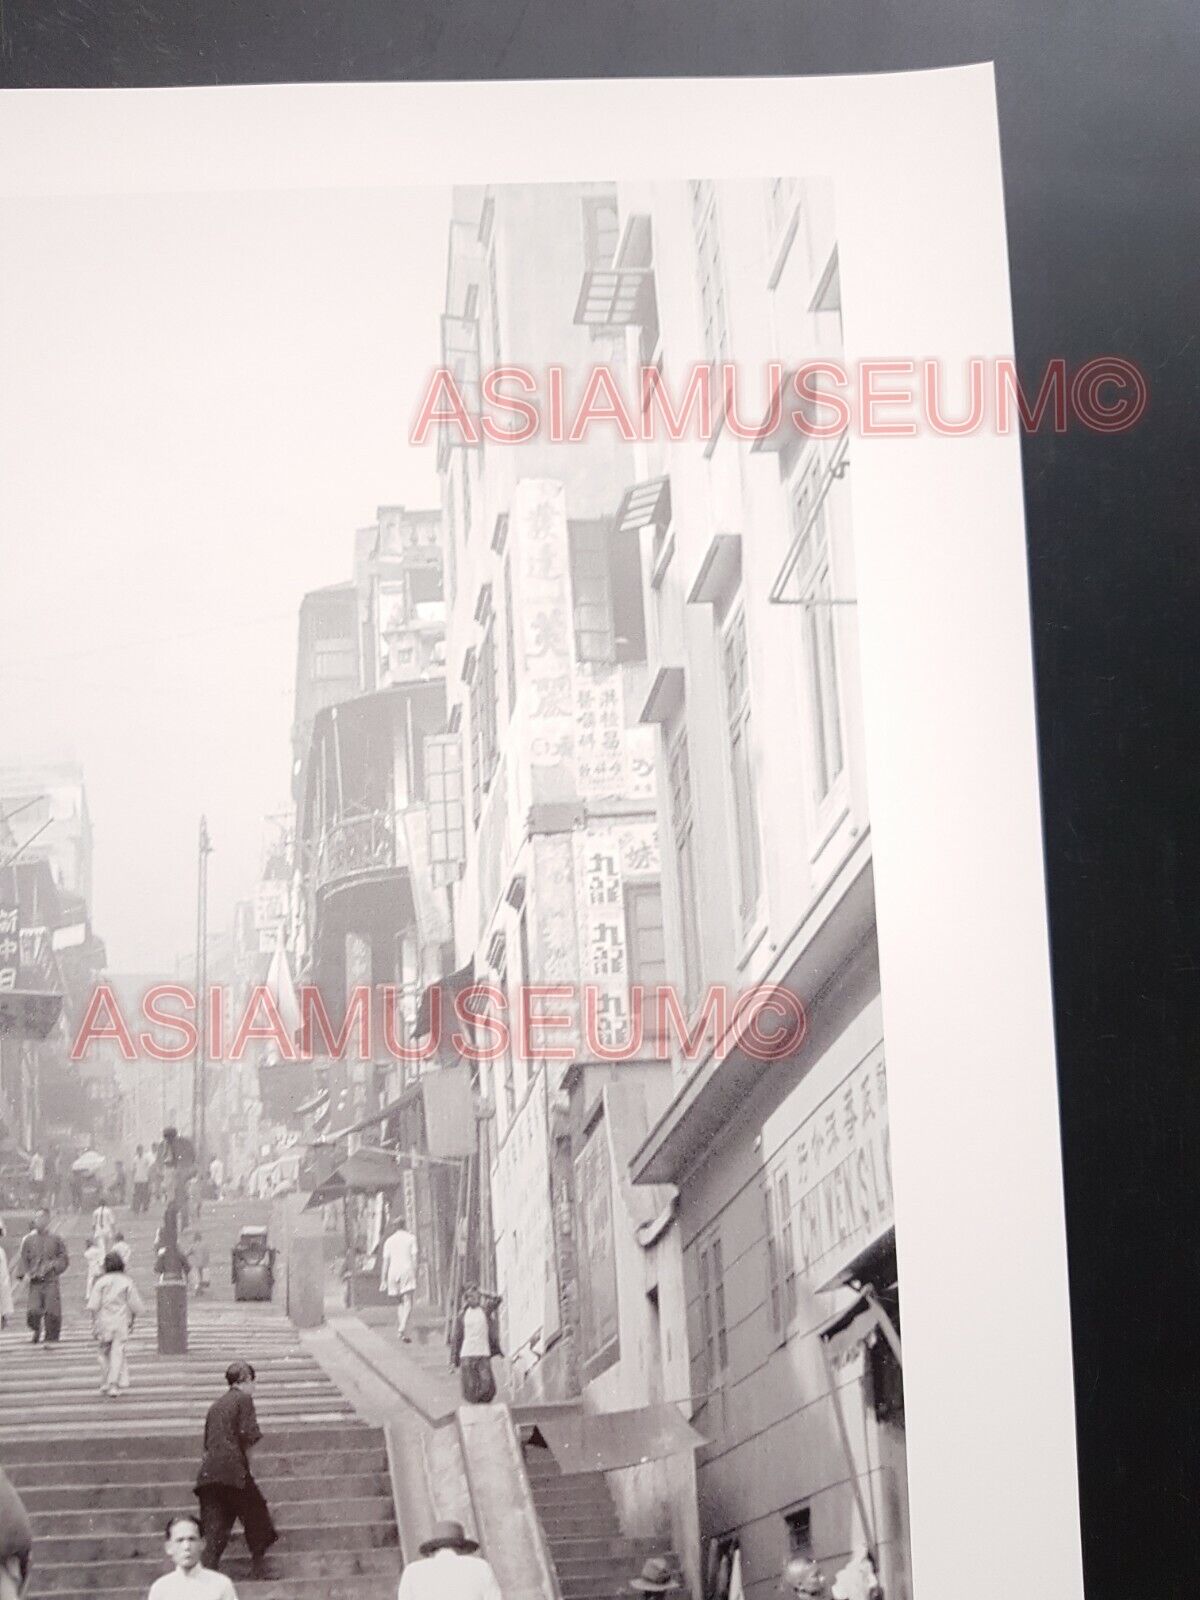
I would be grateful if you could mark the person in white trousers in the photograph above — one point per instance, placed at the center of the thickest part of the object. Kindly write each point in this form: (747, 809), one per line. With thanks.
(399, 1275)
(115, 1306)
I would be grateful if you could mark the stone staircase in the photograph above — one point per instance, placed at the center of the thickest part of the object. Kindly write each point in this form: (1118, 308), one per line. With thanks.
(99, 1476)
(594, 1560)
(98, 1507)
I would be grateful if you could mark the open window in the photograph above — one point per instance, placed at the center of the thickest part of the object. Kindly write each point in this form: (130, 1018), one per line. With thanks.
(648, 504)
(606, 590)
(620, 292)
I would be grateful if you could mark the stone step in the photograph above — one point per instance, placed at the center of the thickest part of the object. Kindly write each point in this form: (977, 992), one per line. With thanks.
(282, 1445)
(593, 1560)
(132, 1410)
(146, 1545)
(181, 1468)
(103, 1577)
(161, 1496)
(600, 1523)
(154, 1377)
(145, 1521)
(624, 1555)
(378, 1587)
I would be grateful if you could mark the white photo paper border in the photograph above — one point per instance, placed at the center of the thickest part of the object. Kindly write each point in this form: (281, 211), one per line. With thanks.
(946, 672)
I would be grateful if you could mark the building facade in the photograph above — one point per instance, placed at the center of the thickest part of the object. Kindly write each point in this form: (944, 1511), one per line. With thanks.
(370, 913)
(653, 676)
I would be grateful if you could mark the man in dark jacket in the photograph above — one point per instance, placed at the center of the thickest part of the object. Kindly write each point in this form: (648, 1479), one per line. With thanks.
(16, 1541)
(225, 1486)
(41, 1261)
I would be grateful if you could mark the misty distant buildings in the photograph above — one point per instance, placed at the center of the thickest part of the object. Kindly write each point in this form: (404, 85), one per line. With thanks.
(47, 948)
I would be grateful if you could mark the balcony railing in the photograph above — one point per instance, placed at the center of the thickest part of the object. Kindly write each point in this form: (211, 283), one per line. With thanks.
(358, 845)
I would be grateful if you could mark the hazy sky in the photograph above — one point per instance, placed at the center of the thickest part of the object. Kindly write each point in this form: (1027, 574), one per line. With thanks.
(201, 398)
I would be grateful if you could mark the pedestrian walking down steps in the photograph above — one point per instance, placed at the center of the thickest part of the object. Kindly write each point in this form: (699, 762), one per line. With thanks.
(475, 1342)
(41, 1262)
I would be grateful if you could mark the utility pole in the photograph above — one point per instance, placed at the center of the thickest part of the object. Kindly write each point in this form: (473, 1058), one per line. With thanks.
(199, 1097)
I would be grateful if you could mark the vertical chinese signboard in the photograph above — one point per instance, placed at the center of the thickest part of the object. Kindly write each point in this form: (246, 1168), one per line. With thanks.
(598, 1282)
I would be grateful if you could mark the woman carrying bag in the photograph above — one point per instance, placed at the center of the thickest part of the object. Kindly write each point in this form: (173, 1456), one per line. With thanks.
(115, 1306)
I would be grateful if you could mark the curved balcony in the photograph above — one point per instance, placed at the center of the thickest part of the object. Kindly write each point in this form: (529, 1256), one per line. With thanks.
(360, 847)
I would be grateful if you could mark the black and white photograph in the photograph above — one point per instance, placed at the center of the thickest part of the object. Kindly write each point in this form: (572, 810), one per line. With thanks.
(446, 1105)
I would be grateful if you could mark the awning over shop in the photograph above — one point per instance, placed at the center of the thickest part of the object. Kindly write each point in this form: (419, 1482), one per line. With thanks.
(449, 1113)
(859, 1323)
(602, 1441)
(364, 1172)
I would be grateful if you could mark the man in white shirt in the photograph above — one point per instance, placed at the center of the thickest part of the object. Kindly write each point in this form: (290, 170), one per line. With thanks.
(216, 1176)
(450, 1571)
(399, 1275)
(189, 1581)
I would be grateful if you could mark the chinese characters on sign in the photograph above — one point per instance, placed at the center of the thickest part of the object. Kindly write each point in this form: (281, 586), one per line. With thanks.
(599, 721)
(842, 1163)
(270, 911)
(605, 955)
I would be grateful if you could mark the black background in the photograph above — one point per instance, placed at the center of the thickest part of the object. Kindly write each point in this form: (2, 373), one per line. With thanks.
(1101, 138)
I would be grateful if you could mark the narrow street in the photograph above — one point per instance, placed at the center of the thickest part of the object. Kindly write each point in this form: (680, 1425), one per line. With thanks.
(494, 949)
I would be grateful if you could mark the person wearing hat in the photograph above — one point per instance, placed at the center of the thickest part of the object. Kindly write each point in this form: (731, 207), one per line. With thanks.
(656, 1578)
(450, 1569)
(16, 1542)
(225, 1486)
(803, 1577)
